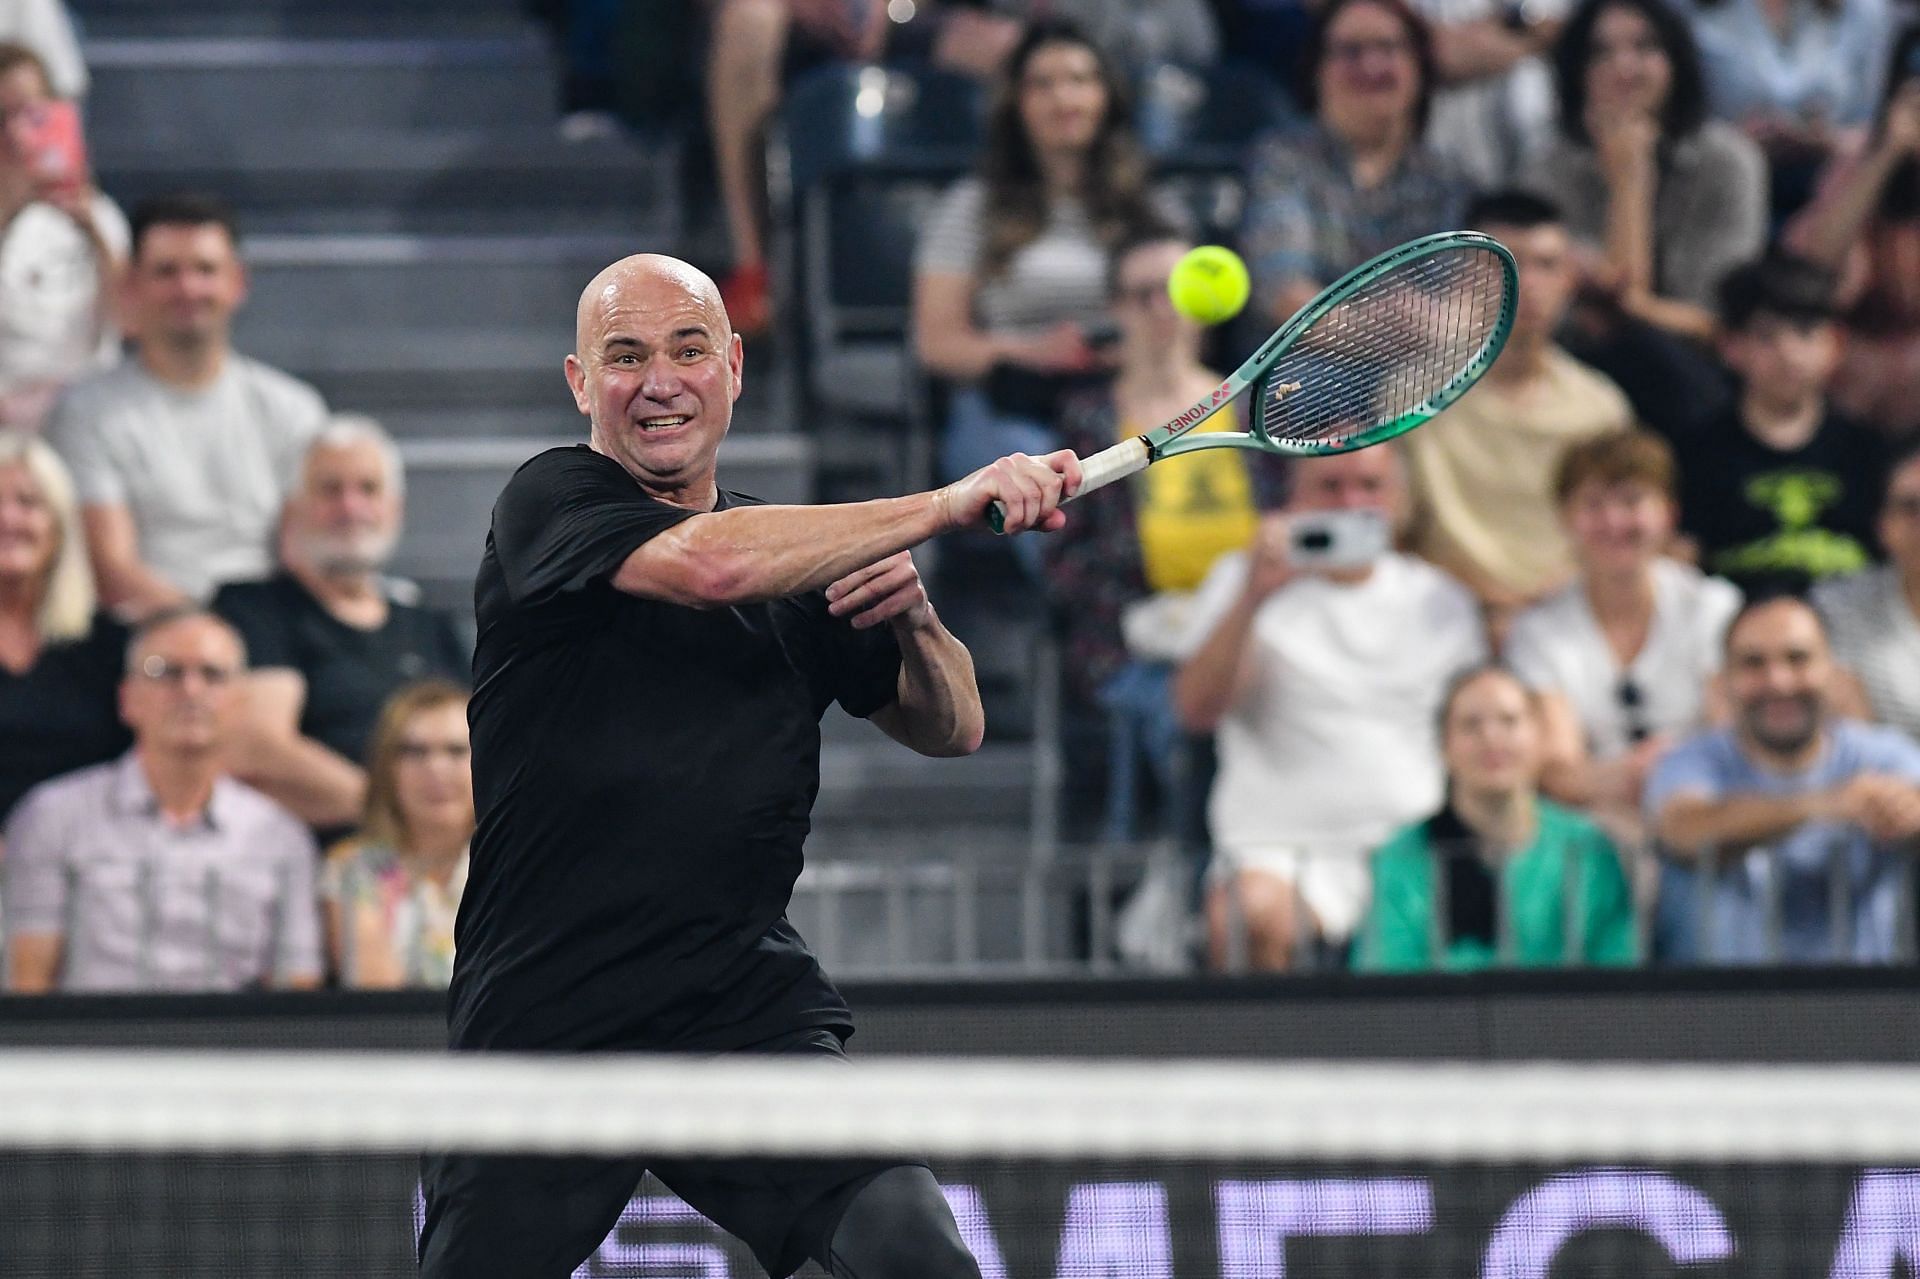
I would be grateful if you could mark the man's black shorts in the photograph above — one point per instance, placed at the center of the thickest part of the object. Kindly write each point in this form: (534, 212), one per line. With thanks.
(512, 1217)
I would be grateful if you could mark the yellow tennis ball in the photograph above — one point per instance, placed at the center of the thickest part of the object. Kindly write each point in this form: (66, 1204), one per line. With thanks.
(1209, 284)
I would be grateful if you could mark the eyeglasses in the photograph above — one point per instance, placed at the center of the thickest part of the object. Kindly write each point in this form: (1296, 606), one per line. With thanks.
(1355, 50)
(161, 671)
(1633, 705)
(1142, 295)
(420, 752)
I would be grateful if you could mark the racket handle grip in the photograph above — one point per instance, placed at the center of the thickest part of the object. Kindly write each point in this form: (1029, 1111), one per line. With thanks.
(1126, 458)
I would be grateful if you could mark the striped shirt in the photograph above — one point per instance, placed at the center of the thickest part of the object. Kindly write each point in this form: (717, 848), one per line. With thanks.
(223, 903)
(1060, 275)
(1876, 635)
(1308, 220)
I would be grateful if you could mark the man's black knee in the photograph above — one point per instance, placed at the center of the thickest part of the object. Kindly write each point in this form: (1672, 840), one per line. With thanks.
(899, 1227)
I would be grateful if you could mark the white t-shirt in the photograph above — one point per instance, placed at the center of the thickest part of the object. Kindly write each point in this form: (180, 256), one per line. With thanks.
(203, 472)
(1333, 744)
(52, 315)
(1557, 646)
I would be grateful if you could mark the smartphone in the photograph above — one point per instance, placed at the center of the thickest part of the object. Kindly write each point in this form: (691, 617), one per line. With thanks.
(56, 147)
(1335, 540)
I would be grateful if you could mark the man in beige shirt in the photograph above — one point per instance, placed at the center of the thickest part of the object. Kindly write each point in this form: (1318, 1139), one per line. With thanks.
(1482, 471)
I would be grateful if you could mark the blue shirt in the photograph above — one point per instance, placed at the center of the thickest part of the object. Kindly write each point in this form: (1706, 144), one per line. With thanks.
(1828, 66)
(1806, 865)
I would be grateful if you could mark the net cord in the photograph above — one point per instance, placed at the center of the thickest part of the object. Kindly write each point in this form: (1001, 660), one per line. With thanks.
(166, 1101)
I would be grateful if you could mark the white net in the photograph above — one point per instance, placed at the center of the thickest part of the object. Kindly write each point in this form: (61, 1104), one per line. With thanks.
(161, 1164)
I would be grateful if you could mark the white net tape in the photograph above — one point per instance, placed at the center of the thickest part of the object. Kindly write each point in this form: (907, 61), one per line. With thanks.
(409, 1102)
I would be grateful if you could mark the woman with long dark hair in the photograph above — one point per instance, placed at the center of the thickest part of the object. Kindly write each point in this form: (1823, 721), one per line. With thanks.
(1865, 224)
(1010, 280)
(1666, 200)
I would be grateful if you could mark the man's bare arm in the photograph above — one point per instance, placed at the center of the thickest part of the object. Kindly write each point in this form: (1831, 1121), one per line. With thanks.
(754, 553)
(127, 584)
(1693, 825)
(33, 962)
(938, 710)
(319, 786)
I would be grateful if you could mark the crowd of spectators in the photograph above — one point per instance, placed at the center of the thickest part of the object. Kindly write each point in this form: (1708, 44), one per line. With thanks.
(1698, 424)
(1617, 661)
(232, 750)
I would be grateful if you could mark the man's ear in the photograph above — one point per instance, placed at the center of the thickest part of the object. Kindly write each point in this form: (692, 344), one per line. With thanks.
(577, 383)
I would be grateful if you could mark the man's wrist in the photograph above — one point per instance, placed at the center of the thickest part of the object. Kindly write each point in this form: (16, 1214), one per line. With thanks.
(921, 617)
(944, 520)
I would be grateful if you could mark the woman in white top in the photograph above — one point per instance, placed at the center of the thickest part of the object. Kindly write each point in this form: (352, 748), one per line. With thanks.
(1010, 273)
(1627, 655)
(63, 246)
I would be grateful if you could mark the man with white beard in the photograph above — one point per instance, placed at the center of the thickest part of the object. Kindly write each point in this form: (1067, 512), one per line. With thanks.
(329, 640)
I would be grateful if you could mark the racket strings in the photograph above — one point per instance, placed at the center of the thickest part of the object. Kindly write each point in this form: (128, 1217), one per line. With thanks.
(1387, 349)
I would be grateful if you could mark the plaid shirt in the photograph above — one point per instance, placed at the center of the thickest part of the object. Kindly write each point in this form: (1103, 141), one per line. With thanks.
(1306, 220)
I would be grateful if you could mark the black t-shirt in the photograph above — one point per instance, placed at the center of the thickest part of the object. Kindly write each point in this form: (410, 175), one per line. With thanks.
(350, 672)
(1767, 517)
(644, 774)
(64, 712)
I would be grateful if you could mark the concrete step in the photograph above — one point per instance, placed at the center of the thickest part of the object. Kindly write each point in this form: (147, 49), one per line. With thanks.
(870, 781)
(523, 175)
(332, 19)
(262, 87)
(375, 369)
(451, 380)
(436, 283)
(650, 226)
(452, 484)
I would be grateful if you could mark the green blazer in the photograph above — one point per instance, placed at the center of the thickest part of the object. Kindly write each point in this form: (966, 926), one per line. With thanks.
(1532, 889)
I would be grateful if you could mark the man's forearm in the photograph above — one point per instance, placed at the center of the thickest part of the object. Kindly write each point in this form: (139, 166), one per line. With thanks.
(1693, 828)
(1205, 688)
(753, 553)
(939, 702)
(320, 787)
(136, 591)
(33, 963)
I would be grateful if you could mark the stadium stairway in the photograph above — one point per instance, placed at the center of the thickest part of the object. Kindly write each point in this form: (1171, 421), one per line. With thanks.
(417, 233)
(418, 230)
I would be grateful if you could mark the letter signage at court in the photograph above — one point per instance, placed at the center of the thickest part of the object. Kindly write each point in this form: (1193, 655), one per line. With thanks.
(1530, 1236)
(1043, 1224)
(1256, 1218)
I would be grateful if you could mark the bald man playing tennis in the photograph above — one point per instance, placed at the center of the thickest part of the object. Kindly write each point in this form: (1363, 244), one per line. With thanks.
(654, 656)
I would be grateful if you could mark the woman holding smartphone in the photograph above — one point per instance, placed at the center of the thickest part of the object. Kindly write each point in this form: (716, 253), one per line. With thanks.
(61, 249)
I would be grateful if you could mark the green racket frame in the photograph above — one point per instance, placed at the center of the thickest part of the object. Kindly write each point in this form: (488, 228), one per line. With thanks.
(1178, 435)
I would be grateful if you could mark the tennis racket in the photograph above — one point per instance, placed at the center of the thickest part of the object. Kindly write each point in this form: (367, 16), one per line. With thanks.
(1379, 351)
